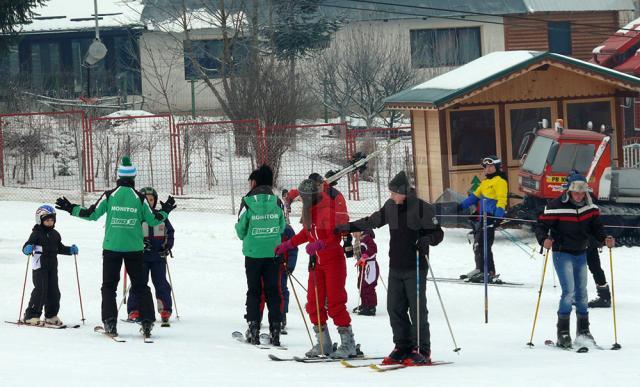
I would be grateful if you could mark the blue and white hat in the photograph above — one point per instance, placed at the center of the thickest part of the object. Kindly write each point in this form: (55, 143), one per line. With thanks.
(126, 169)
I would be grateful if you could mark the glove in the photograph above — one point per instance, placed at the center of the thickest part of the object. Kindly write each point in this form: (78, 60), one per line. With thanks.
(279, 259)
(362, 261)
(313, 247)
(64, 204)
(164, 254)
(147, 245)
(27, 250)
(284, 247)
(342, 228)
(424, 242)
(169, 205)
(73, 249)
(348, 246)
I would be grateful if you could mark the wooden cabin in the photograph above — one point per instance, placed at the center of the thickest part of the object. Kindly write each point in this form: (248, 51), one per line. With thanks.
(486, 106)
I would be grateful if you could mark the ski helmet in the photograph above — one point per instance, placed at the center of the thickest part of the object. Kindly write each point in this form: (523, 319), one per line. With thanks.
(315, 176)
(492, 160)
(45, 212)
(150, 191)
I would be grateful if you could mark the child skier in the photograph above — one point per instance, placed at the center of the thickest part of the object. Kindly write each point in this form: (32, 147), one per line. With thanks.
(260, 227)
(158, 241)
(45, 244)
(565, 227)
(321, 212)
(369, 272)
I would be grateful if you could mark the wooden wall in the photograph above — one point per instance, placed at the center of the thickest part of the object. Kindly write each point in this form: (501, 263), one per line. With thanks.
(538, 85)
(526, 34)
(427, 154)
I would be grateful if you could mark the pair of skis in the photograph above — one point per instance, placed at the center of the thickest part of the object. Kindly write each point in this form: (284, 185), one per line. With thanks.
(118, 339)
(44, 325)
(264, 341)
(349, 363)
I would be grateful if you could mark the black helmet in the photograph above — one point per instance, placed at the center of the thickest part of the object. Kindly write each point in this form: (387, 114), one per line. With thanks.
(492, 160)
(315, 176)
(309, 187)
(150, 191)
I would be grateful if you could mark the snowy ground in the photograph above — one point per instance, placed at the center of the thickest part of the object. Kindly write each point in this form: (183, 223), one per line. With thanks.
(209, 281)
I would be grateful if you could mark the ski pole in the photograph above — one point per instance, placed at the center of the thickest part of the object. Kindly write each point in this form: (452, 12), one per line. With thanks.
(383, 284)
(615, 346)
(444, 311)
(175, 302)
(24, 286)
(315, 287)
(418, 299)
(486, 261)
(124, 287)
(535, 317)
(299, 283)
(75, 260)
(122, 301)
(553, 272)
(300, 307)
(361, 272)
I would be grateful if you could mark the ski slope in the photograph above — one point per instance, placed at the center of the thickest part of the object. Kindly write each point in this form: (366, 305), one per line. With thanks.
(208, 277)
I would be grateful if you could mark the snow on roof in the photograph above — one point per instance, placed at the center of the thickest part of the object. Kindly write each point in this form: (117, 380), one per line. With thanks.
(477, 70)
(632, 25)
(74, 15)
(578, 5)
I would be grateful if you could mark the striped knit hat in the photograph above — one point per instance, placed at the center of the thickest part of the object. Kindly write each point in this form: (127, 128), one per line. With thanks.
(126, 169)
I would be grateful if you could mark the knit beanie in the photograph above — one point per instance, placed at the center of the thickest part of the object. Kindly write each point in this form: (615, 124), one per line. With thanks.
(126, 169)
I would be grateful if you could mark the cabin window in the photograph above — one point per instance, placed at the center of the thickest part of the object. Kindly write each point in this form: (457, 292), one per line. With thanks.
(580, 114)
(444, 47)
(473, 136)
(559, 35)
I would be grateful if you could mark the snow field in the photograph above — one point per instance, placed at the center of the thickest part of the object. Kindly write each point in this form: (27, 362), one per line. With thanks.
(209, 281)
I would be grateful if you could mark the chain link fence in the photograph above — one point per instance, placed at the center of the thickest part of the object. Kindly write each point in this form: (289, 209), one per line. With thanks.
(206, 164)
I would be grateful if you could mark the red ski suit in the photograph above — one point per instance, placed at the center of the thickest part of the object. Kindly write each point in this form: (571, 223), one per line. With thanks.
(331, 266)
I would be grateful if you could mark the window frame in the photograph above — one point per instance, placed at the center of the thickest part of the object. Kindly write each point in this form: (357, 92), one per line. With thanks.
(422, 65)
(496, 129)
(511, 162)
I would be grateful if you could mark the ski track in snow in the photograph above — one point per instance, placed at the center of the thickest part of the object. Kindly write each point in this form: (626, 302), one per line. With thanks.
(209, 281)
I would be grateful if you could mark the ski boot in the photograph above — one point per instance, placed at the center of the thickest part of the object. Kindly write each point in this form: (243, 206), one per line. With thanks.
(274, 334)
(134, 316)
(564, 337)
(283, 325)
(347, 347)
(470, 274)
(367, 311)
(33, 321)
(146, 328)
(396, 356)
(253, 333)
(327, 345)
(164, 317)
(415, 358)
(604, 298)
(55, 320)
(357, 309)
(582, 330)
(110, 325)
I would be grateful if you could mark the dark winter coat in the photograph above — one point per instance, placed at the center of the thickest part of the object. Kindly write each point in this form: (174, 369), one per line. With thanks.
(158, 240)
(47, 244)
(407, 222)
(570, 226)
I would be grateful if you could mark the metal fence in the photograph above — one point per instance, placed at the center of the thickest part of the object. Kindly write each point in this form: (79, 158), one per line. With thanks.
(631, 150)
(206, 164)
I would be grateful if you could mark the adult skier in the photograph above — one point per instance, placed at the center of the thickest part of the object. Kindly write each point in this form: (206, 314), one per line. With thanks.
(413, 227)
(565, 227)
(260, 227)
(328, 269)
(493, 190)
(126, 209)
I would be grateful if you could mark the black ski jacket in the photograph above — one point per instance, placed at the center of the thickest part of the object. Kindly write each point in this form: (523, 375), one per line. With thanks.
(570, 226)
(407, 222)
(47, 244)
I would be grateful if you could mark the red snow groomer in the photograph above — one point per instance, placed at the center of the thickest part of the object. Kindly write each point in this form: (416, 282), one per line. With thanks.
(549, 155)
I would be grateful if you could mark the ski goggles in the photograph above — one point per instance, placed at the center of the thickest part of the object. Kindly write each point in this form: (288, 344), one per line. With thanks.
(489, 161)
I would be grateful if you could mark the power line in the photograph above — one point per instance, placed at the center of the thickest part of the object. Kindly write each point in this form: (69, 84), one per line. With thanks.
(476, 13)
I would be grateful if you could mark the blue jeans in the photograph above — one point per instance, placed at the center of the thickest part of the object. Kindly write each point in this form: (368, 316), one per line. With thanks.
(572, 274)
